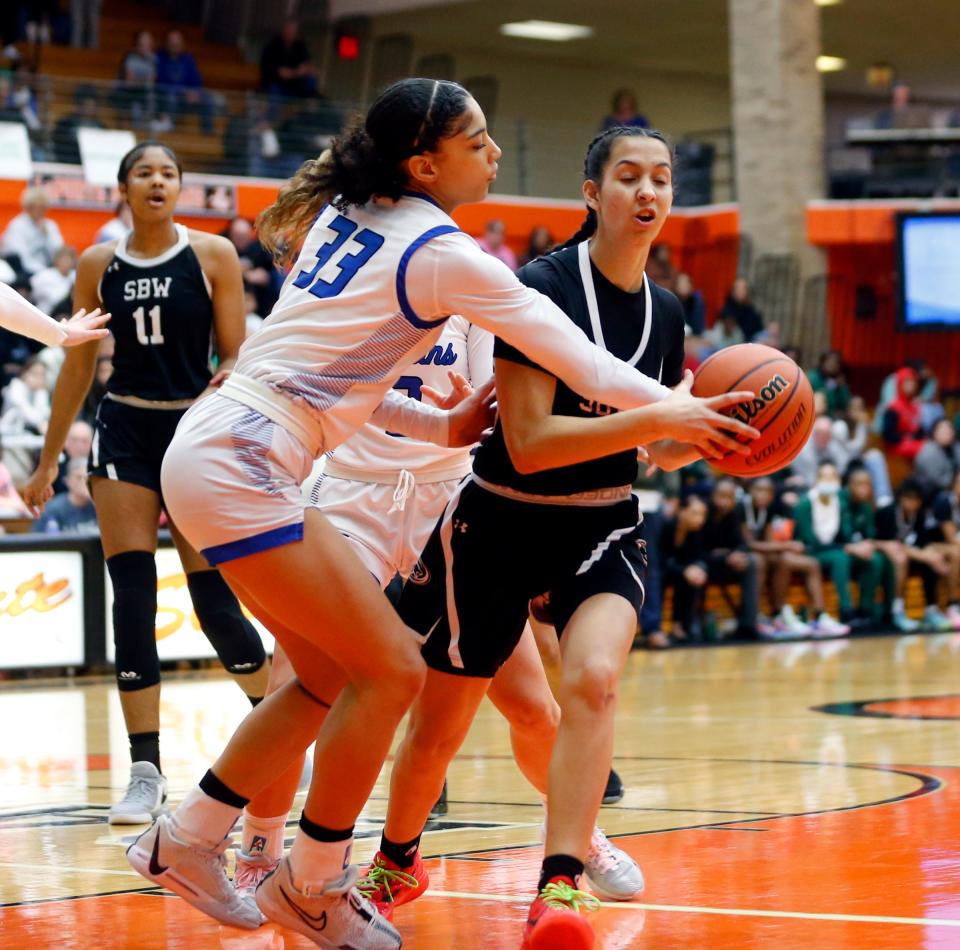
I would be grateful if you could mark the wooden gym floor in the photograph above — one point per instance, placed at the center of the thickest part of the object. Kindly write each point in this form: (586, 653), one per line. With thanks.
(790, 796)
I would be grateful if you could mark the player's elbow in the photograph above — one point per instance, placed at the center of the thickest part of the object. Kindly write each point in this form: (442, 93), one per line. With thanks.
(526, 454)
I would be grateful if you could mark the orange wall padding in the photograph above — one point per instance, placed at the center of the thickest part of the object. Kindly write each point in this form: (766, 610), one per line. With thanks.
(859, 240)
(704, 242)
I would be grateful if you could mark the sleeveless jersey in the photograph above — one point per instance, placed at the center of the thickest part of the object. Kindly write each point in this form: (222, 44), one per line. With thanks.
(162, 321)
(374, 455)
(644, 329)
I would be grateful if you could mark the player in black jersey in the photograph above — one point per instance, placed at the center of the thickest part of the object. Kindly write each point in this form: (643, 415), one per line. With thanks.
(549, 508)
(172, 292)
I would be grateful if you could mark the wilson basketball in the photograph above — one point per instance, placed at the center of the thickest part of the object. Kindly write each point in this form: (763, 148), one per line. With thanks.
(782, 406)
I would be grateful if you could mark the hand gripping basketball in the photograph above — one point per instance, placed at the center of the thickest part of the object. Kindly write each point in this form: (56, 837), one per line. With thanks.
(699, 421)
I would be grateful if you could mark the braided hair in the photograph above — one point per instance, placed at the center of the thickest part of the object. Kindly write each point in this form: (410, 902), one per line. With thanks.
(408, 118)
(595, 164)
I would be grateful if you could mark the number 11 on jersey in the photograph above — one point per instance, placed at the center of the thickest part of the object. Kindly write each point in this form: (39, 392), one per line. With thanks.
(156, 334)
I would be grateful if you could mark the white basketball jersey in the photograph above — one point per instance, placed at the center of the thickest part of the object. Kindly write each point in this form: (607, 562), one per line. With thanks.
(374, 455)
(336, 362)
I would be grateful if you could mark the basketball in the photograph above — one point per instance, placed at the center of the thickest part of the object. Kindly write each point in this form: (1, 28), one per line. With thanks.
(782, 407)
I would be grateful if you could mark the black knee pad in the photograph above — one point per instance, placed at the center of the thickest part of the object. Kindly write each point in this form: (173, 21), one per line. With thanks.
(134, 578)
(230, 633)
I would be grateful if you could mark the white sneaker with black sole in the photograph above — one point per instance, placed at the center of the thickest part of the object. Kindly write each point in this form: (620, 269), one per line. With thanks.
(613, 874)
(144, 799)
(337, 916)
(196, 873)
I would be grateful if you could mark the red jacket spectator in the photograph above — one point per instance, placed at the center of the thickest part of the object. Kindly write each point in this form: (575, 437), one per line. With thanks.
(902, 429)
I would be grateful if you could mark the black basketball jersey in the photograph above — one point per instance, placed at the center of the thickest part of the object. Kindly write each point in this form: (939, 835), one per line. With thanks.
(644, 329)
(162, 321)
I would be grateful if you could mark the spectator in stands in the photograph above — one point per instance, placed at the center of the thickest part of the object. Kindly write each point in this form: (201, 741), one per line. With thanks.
(494, 242)
(830, 377)
(66, 148)
(541, 242)
(740, 305)
(76, 448)
(11, 504)
(23, 98)
(31, 239)
(660, 267)
(768, 531)
(821, 447)
(863, 522)
(309, 130)
(938, 460)
(624, 111)
(693, 347)
(254, 319)
(138, 73)
(823, 522)
(50, 286)
(725, 332)
(72, 511)
(259, 274)
(119, 226)
(903, 112)
(286, 67)
(928, 388)
(684, 565)
(85, 23)
(180, 85)
(905, 538)
(944, 530)
(26, 400)
(902, 425)
(694, 308)
(729, 561)
(650, 489)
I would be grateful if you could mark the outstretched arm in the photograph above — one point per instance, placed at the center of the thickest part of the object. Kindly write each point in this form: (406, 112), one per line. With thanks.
(21, 316)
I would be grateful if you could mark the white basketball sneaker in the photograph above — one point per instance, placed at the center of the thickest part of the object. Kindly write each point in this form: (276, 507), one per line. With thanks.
(144, 798)
(196, 873)
(612, 873)
(337, 916)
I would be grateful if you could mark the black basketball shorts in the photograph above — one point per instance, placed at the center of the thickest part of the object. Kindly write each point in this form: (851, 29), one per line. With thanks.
(129, 442)
(489, 555)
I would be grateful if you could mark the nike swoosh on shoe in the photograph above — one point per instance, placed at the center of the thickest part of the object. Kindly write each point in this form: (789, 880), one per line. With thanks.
(316, 923)
(155, 866)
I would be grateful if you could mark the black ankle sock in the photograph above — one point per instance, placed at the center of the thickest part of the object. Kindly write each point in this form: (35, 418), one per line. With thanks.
(559, 865)
(219, 792)
(321, 833)
(145, 747)
(400, 852)
(255, 700)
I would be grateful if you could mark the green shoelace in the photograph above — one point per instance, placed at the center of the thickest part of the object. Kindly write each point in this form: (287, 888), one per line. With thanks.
(380, 877)
(558, 894)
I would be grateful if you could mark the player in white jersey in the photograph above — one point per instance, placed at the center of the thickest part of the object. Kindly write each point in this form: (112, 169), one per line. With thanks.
(20, 316)
(384, 493)
(380, 271)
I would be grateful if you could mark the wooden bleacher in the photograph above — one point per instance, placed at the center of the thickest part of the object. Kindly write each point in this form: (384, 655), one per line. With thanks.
(222, 66)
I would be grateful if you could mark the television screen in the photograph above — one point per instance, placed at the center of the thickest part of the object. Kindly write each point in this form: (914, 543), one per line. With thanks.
(929, 271)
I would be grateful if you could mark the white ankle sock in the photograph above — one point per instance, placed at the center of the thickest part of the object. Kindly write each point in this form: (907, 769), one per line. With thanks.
(202, 820)
(898, 606)
(314, 863)
(263, 836)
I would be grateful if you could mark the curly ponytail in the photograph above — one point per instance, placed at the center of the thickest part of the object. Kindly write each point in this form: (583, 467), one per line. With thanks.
(595, 164)
(366, 160)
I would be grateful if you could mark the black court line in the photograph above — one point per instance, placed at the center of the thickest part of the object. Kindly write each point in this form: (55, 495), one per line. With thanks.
(928, 785)
(81, 897)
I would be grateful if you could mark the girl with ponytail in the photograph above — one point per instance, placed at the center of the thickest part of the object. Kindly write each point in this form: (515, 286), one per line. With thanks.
(379, 266)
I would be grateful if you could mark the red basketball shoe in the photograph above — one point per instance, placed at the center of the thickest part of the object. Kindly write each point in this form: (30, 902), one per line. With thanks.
(387, 885)
(557, 918)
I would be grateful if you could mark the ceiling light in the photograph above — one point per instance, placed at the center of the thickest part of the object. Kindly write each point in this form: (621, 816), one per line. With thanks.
(831, 64)
(827, 3)
(546, 30)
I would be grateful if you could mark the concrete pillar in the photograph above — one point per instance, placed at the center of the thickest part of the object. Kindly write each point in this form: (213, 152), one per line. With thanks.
(777, 99)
